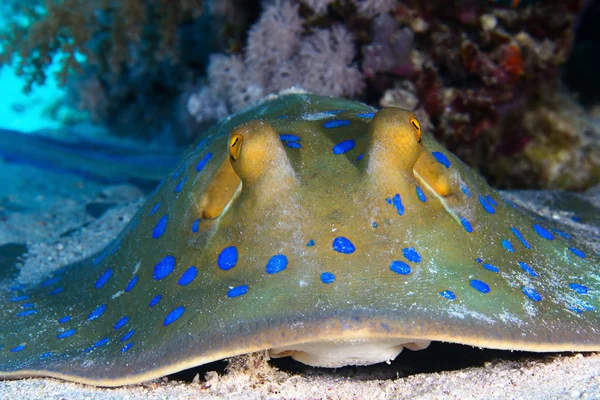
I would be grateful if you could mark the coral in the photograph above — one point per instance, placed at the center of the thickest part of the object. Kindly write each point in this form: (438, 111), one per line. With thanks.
(65, 28)
(133, 58)
(366, 8)
(472, 64)
(390, 48)
(279, 55)
(550, 143)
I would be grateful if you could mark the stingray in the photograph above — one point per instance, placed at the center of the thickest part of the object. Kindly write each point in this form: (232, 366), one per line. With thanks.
(316, 228)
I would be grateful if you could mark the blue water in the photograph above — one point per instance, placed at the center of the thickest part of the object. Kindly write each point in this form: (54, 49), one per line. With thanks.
(28, 112)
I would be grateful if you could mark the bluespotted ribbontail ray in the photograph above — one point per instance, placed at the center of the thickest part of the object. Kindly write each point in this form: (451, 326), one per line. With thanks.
(314, 227)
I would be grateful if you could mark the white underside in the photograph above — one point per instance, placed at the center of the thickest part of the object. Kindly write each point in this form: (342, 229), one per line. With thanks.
(334, 354)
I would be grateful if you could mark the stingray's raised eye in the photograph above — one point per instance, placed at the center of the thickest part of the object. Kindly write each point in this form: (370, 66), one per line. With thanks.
(416, 126)
(235, 147)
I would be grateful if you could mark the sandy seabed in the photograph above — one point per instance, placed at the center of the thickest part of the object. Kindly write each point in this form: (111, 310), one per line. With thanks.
(555, 377)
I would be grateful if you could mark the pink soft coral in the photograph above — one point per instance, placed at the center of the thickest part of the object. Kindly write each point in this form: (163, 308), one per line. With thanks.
(278, 57)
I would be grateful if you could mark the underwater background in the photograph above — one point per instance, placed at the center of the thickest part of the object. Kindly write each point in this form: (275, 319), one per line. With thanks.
(100, 99)
(509, 86)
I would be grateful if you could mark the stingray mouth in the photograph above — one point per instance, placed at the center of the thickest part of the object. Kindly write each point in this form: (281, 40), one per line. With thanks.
(340, 353)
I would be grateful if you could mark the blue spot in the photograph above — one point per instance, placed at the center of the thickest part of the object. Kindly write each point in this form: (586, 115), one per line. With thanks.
(188, 276)
(480, 286)
(154, 209)
(508, 245)
(421, 195)
(343, 147)
(237, 291)
(19, 298)
(115, 246)
(397, 202)
(64, 319)
(577, 288)
(227, 258)
(196, 225)
(101, 342)
(334, 112)
(155, 300)
(174, 315)
(327, 277)
(161, 227)
(98, 311)
(289, 137)
(343, 245)
(466, 224)
(28, 305)
(465, 190)
(121, 323)
(490, 267)
(585, 305)
(374, 224)
(543, 232)
(310, 243)
(131, 284)
(411, 254)
(104, 278)
(282, 117)
(202, 163)
(577, 252)
(201, 143)
(128, 335)
(336, 123)
(531, 293)
(164, 268)
(528, 269)
(360, 156)
(441, 158)
(486, 206)
(519, 236)
(388, 200)
(126, 347)
(18, 348)
(26, 312)
(366, 115)
(180, 185)
(491, 200)
(576, 219)
(50, 281)
(66, 334)
(400, 267)
(179, 171)
(479, 260)
(276, 264)
(100, 257)
(57, 290)
(448, 295)
(46, 355)
(510, 203)
(293, 145)
(561, 233)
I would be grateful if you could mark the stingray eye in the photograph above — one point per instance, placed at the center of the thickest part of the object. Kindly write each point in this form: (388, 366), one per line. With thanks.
(235, 147)
(416, 126)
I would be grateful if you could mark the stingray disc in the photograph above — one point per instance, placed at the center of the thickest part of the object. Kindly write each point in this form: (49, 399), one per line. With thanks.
(318, 228)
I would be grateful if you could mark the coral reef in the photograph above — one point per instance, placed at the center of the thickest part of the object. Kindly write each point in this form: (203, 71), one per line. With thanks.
(470, 68)
(481, 71)
(132, 58)
(65, 28)
(558, 146)
(279, 55)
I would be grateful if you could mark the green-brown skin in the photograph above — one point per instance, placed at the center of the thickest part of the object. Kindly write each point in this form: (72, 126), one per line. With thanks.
(289, 196)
